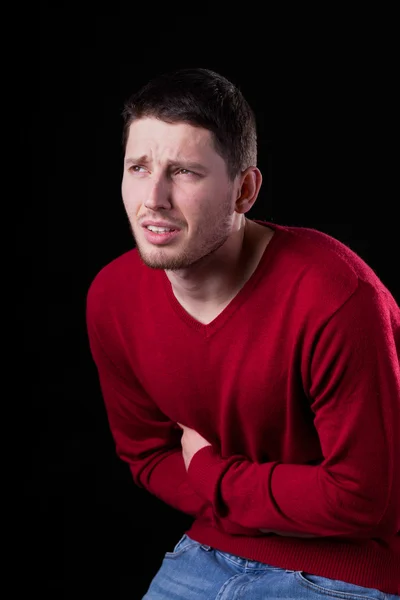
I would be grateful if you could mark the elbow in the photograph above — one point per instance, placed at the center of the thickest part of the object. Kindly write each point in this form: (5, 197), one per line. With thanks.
(384, 521)
(361, 512)
(384, 528)
(388, 525)
(368, 518)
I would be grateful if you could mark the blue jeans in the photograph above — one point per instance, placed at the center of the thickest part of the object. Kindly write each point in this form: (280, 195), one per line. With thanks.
(193, 571)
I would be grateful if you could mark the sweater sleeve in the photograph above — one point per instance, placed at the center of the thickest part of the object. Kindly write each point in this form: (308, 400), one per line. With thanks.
(354, 388)
(145, 438)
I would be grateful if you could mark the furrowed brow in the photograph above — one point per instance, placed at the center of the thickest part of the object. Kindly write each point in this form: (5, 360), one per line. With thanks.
(140, 160)
(188, 164)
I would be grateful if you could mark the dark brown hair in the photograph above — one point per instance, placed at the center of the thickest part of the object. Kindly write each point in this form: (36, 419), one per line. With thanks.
(205, 99)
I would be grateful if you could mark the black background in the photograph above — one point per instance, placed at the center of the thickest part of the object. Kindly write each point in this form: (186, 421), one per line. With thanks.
(323, 89)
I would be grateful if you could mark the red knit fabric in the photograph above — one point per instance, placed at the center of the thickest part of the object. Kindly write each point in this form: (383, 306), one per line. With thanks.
(296, 385)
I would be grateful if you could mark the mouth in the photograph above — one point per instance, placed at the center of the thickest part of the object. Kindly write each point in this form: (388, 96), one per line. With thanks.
(160, 236)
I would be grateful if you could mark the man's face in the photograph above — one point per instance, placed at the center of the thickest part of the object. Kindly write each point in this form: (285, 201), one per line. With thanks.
(172, 173)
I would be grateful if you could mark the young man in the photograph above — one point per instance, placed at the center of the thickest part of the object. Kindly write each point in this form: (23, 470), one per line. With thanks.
(250, 371)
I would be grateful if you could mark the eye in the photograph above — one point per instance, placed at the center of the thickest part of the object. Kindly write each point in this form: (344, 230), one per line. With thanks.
(186, 172)
(136, 168)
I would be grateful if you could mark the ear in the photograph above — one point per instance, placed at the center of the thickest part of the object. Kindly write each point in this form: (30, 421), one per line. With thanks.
(249, 186)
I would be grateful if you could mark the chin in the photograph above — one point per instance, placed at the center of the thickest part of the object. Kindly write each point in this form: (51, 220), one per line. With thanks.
(157, 259)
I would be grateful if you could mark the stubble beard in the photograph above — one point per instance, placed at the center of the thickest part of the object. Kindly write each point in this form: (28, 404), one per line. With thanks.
(206, 239)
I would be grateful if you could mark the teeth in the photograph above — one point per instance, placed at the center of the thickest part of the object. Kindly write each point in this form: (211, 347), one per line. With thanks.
(158, 229)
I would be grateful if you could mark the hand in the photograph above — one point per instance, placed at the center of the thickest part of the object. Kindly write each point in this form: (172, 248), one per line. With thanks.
(191, 442)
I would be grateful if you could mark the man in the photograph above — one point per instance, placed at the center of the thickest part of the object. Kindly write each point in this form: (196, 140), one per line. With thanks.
(250, 371)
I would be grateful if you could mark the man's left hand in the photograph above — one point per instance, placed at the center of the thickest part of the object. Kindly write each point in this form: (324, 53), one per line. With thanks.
(191, 442)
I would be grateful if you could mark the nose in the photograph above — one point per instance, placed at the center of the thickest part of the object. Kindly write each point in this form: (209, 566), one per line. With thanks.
(158, 195)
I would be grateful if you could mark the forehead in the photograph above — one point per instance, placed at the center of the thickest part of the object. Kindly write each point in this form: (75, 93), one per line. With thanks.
(151, 134)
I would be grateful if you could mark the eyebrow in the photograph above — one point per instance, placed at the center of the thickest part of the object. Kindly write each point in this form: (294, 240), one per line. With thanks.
(141, 160)
(186, 164)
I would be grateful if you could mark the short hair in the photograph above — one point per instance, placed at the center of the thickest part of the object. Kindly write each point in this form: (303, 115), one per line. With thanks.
(202, 98)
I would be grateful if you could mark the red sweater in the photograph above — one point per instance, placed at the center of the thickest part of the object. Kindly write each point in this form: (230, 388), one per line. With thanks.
(296, 385)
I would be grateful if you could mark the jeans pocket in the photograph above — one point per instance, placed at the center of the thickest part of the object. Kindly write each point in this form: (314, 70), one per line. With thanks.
(184, 544)
(335, 588)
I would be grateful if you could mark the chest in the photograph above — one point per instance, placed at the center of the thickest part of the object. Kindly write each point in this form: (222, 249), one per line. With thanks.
(245, 394)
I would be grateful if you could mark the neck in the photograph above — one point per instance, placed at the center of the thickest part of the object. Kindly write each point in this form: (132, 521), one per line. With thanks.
(213, 279)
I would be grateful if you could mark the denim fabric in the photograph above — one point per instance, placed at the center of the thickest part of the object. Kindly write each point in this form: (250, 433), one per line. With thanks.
(193, 571)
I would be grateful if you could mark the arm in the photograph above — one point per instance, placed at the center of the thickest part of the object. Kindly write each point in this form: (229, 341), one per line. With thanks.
(151, 443)
(354, 386)
(145, 438)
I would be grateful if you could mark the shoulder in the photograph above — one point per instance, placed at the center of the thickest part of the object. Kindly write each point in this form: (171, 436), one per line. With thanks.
(113, 279)
(323, 271)
(325, 255)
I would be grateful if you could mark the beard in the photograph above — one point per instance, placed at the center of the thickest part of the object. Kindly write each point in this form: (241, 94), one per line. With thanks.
(206, 238)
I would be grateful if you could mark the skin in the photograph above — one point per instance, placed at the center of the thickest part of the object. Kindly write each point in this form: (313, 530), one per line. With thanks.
(191, 442)
(172, 172)
(209, 260)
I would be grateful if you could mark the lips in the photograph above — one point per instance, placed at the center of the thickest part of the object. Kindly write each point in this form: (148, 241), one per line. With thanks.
(159, 224)
(160, 238)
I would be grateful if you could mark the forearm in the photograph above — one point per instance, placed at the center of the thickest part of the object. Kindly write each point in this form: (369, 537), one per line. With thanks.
(353, 383)
(167, 479)
(300, 500)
